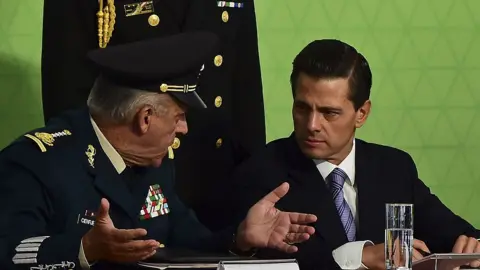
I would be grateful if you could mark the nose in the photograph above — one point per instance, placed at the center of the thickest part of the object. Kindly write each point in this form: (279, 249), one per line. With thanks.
(182, 127)
(314, 122)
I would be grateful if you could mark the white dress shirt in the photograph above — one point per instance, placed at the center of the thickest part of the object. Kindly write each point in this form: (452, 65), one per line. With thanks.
(348, 256)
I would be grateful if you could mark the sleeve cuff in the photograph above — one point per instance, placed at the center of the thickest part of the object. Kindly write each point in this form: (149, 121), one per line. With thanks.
(83, 259)
(349, 256)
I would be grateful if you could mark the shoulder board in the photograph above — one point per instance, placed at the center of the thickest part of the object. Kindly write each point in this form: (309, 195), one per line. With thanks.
(44, 140)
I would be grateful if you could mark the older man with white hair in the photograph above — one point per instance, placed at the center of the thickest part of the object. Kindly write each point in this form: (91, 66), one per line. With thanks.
(95, 188)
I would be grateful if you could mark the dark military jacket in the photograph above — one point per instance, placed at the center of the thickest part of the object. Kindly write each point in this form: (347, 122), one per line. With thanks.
(233, 128)
(51, 183)
(219, 137)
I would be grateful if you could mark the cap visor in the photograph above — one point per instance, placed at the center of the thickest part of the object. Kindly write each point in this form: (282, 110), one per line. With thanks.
(191, 99)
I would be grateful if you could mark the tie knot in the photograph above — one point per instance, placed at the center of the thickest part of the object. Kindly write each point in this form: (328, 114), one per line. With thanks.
(337, 178)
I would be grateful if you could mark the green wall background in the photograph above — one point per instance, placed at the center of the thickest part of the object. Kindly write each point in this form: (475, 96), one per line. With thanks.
(424, 54)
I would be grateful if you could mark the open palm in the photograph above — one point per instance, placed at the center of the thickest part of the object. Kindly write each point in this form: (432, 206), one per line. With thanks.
(267, 227)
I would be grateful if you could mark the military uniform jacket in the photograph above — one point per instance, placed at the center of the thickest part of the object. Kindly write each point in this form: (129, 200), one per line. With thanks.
(51, 183)
(219, 137)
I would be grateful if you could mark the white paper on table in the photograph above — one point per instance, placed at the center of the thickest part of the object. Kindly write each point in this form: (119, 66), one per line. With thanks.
(259, 265)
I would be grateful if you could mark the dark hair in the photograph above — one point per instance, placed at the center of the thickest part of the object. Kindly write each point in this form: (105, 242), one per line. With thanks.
(331, 59)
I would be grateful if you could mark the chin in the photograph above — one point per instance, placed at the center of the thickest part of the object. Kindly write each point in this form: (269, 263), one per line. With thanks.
(314, 153)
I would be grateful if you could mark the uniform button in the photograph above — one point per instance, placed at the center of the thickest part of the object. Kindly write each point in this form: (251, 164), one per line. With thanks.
(218, 101)
(176, 143)
(225, 16)
(218, 60)
(219, 142)
(153, 20)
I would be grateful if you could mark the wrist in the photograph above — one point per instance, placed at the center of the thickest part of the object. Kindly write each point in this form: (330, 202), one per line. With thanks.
(240, 239)
(88, 250)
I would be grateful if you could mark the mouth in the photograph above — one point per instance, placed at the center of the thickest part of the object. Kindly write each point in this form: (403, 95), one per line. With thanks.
(313, 142)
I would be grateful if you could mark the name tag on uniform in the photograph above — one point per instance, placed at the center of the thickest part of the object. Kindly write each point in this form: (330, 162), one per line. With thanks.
(133, 9)
(155, 204)
(88, 218)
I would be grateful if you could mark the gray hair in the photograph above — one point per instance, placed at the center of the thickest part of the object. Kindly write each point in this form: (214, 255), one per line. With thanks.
(120, 104)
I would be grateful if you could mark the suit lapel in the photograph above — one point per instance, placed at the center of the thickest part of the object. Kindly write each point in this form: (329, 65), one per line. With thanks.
(369, 188)
(311, 195)
(105, 178)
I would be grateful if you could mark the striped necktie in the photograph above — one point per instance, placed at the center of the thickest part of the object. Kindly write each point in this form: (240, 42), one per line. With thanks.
(337, 179)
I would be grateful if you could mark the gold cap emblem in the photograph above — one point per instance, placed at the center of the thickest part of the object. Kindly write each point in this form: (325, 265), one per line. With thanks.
(164, 87)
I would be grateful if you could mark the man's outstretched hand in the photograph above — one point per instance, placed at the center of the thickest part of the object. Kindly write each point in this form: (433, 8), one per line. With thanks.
(267, 227)
(105, 242)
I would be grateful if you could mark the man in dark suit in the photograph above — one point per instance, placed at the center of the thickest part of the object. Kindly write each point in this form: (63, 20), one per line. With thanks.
(222, 135)
(345, 181)
(111, 156)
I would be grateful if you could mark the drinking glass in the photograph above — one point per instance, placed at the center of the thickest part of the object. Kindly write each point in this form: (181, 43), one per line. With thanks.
(399, 236)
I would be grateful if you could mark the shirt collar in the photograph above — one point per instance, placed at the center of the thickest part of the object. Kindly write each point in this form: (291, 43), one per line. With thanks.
(347, 165)
(109, 150)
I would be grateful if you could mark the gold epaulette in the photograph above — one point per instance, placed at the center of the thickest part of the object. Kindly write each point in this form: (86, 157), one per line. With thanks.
(43, 139)
(106, 22)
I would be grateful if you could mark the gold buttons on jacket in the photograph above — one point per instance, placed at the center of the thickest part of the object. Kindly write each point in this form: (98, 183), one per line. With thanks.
(218, 101)
(153, 20)
(218, 60)
(219, 142)
(225, 16)
(176, 143)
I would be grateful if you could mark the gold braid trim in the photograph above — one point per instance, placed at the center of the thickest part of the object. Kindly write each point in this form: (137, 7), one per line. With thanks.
(106, 22)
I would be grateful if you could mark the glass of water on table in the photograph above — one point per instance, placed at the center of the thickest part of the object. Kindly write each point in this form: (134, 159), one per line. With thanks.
(398, 236)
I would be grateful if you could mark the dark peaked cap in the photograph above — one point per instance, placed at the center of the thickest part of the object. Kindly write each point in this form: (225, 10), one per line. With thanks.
(169, 64)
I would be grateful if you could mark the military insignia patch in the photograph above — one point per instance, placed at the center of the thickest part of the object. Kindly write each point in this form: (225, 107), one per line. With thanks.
(90, 153)
(155, 204)
(229, 4)
(44, 138)
(138, 8)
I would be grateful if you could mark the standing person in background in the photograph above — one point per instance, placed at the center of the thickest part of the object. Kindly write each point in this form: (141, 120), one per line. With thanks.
(221, 136)
(234, 127)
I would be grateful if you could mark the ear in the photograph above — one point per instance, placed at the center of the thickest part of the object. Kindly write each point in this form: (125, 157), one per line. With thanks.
(362, 114)
(143, 119)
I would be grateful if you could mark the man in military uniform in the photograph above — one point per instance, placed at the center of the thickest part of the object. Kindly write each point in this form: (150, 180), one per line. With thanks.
(112, 157)
(221, 136)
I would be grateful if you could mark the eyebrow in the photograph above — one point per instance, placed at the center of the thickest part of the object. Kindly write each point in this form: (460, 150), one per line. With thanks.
(319, 108)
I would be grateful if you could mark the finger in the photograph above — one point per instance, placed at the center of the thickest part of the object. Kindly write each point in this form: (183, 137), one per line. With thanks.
(278, 193)
(287, 248)
(148, 255)
(460, 244)
(295, 228)
(418, 244)
(416, 255)
(295, 238)
(300, 218)
(127, 235)
(137, 246)
(475, 264)
(103, 210)
(470, 245)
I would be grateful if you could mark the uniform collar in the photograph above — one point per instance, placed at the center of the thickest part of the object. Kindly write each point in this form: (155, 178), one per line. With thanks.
(112, 154)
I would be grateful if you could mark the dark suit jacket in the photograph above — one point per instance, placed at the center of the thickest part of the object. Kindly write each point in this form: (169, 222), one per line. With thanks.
(383, 175)
(49, 188)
